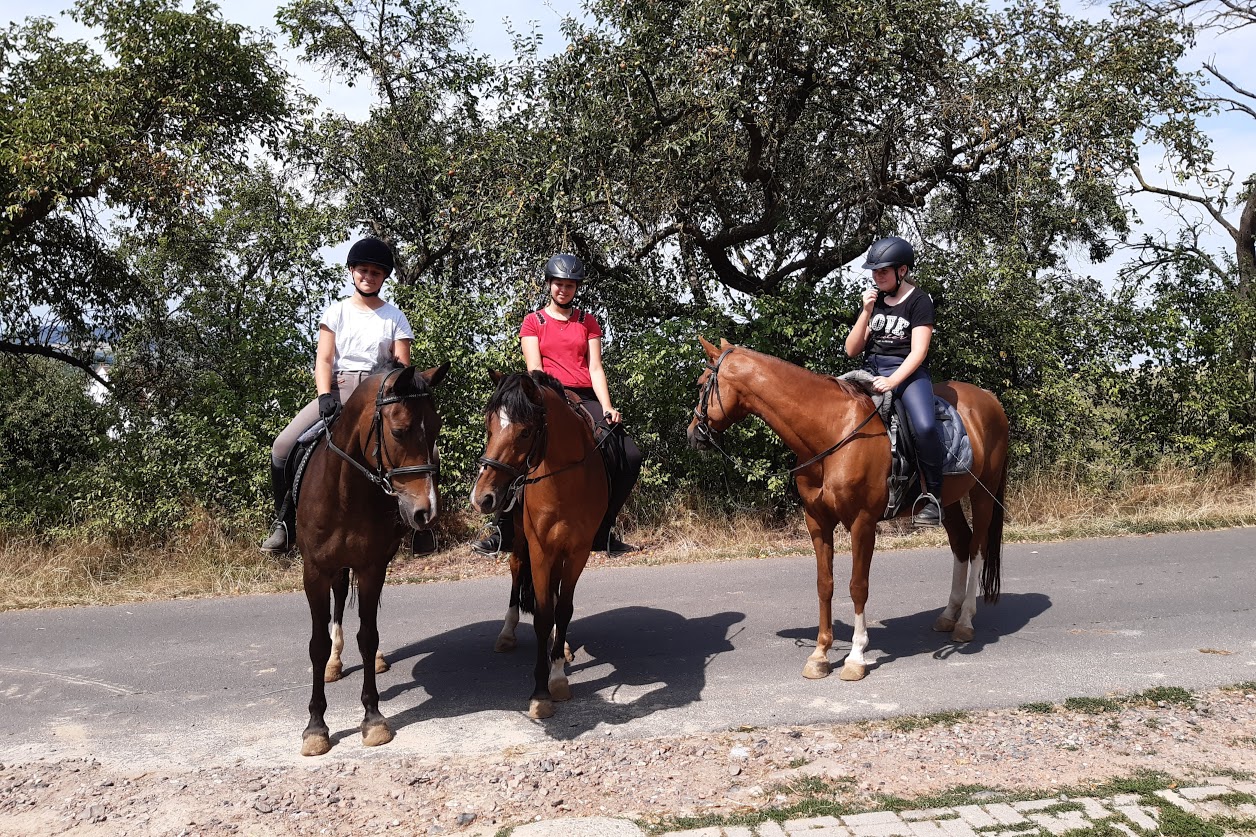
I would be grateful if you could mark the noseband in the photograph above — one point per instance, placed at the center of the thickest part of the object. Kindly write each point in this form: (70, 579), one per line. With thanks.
(702, 430)
(383, 476)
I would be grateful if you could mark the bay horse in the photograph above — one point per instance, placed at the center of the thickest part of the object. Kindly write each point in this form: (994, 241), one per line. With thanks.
(368, 481)
(844, 451)
(542, 465)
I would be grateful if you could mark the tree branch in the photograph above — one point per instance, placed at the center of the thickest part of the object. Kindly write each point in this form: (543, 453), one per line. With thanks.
(49, 352)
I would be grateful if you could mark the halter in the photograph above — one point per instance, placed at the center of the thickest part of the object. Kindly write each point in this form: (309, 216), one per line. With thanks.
(383, 476)
(702, 430)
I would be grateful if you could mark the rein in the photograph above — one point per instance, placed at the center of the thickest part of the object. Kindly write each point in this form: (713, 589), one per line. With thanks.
(383, 476)
(702, 430)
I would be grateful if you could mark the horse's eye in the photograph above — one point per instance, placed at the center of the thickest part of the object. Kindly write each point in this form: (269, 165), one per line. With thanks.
(399, 433)
(525, 432)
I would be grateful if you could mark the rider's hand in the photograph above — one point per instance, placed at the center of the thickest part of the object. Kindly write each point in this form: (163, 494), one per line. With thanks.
(881, 384)
(329, 406)
(869, 298)
(612, 416)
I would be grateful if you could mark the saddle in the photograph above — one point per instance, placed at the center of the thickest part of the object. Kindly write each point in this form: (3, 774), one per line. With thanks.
(904, 481)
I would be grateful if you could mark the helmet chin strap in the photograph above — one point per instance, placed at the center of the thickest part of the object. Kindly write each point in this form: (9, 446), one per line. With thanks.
(364, 293)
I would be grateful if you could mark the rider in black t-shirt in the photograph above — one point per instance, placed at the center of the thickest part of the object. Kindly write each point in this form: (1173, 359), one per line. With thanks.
(894, 330)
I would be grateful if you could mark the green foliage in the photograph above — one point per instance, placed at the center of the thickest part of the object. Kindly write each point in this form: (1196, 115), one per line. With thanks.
(51, 436)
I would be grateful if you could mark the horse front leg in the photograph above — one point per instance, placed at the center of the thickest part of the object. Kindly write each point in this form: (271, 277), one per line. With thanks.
(375, 729)
(316, 740)
(817, 666)
(560, 651)
(541, 704)
(863, 538)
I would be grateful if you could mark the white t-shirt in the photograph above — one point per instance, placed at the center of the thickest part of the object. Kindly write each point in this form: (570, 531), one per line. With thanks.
(363, 336)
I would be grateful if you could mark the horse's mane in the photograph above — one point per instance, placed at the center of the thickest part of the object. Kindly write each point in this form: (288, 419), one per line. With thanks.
(512, 395)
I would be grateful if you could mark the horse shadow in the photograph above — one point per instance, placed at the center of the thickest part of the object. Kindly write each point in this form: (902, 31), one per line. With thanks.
(629, 663)
(901, 637)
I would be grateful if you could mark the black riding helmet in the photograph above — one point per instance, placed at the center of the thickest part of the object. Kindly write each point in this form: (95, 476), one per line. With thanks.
(371, 251)
(565, 266)
(890, 252)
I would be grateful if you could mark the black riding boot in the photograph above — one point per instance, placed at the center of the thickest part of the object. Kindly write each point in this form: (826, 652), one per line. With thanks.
(927, 510)
(503, 540)
(283, 530)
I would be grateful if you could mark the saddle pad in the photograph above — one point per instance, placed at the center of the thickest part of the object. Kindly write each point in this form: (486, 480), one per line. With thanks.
(959, 451)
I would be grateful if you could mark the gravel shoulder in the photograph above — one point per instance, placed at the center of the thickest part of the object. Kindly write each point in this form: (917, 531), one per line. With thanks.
(353, 791)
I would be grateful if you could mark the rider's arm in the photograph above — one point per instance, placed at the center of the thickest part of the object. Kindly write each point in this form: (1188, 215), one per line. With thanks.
(324, 361)
(858, 337)
(531, 346)
(401, 350)
(598, 375)
(921, 335)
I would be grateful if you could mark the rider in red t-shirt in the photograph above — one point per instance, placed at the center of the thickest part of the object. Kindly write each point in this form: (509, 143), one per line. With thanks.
(566, 342)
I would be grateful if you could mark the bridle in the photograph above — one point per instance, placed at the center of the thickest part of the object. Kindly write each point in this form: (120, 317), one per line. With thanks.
(519, 476)
(702, 430)
(383, 475)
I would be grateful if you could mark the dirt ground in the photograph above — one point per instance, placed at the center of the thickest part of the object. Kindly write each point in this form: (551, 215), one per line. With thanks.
(355, 791)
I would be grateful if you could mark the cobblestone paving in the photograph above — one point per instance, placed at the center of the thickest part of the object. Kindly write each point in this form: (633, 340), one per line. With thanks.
(1127, 813)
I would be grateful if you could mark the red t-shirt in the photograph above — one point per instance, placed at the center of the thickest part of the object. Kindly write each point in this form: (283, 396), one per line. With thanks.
(564, 345)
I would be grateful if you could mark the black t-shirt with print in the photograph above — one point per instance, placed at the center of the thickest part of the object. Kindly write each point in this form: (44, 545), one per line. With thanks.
(889, 329)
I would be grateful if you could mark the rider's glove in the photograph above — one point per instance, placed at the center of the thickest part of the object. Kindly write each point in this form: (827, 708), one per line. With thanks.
(329, 406)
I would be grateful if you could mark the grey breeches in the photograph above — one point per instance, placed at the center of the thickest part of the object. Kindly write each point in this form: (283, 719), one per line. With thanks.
(346, 383)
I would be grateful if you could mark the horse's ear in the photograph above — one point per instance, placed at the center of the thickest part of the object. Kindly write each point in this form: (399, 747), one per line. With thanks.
(711, 351)
(725, 345)
(434, 375)
(495, 376)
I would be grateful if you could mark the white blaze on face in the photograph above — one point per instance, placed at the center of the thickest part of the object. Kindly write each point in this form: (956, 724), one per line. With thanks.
(503, 420)
(431, 483)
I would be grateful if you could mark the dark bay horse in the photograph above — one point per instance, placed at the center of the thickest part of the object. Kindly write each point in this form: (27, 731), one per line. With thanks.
(843, 476)
(366, 485)
(541, 464)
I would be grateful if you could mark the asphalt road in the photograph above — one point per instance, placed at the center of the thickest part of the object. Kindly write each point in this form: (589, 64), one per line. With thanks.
(659, 651)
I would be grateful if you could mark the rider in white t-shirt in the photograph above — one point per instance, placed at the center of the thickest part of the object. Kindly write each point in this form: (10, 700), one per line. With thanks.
(353, 335)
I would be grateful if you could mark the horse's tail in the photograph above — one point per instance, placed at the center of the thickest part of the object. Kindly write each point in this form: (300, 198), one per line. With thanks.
(992, 572)
(527, 594)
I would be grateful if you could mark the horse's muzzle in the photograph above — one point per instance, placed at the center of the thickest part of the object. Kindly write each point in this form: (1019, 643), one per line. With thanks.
(699, 436)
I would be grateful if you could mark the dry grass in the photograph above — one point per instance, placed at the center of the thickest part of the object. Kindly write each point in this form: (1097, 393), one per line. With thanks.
(208, 559)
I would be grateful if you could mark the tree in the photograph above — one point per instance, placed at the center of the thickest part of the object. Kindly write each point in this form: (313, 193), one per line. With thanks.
(134, 136)
(1192, 309)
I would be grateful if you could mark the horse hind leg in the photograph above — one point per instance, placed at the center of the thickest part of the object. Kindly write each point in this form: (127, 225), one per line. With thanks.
(966, 569)
(334, 669)
(506, 637)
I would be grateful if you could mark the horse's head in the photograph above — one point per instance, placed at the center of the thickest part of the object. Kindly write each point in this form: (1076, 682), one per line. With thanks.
(719, 398)
(515, 422)
(400, 441)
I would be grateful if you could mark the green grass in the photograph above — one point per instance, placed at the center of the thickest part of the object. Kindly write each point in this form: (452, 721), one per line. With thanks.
(1091, 705)
(1038, 708)
(907, 723)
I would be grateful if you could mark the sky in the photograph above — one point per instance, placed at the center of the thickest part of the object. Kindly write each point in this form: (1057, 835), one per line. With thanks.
(1234, 135)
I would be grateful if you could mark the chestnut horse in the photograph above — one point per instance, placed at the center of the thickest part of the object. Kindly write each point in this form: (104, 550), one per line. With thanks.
(368, 482)
(844, 451)
(541, 464)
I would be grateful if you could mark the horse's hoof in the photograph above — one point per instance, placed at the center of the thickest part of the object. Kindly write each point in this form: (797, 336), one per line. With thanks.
(539, 709)
(373, 736)
(560, 690)
(962, 633)
(315, 745)
(817, 669)
(381, 665)
(944, 625)
(851, 671)
(333, 672)
(504, 643)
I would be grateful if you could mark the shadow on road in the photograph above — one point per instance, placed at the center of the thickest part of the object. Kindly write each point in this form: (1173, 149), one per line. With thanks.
(908, 636)
(629, 663)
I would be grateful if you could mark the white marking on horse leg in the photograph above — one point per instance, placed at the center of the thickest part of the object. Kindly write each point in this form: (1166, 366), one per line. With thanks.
(959, 589)
(335, 667)
(559, 688)
(855, 668)
(858, 641)
(963, 631)
(506, 638)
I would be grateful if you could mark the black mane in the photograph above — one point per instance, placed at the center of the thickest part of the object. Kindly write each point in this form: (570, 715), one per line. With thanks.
(515, 394)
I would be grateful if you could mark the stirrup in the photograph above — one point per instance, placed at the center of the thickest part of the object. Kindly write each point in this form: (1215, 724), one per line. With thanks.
(278, 543)
(926, 511)
(492, 545)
